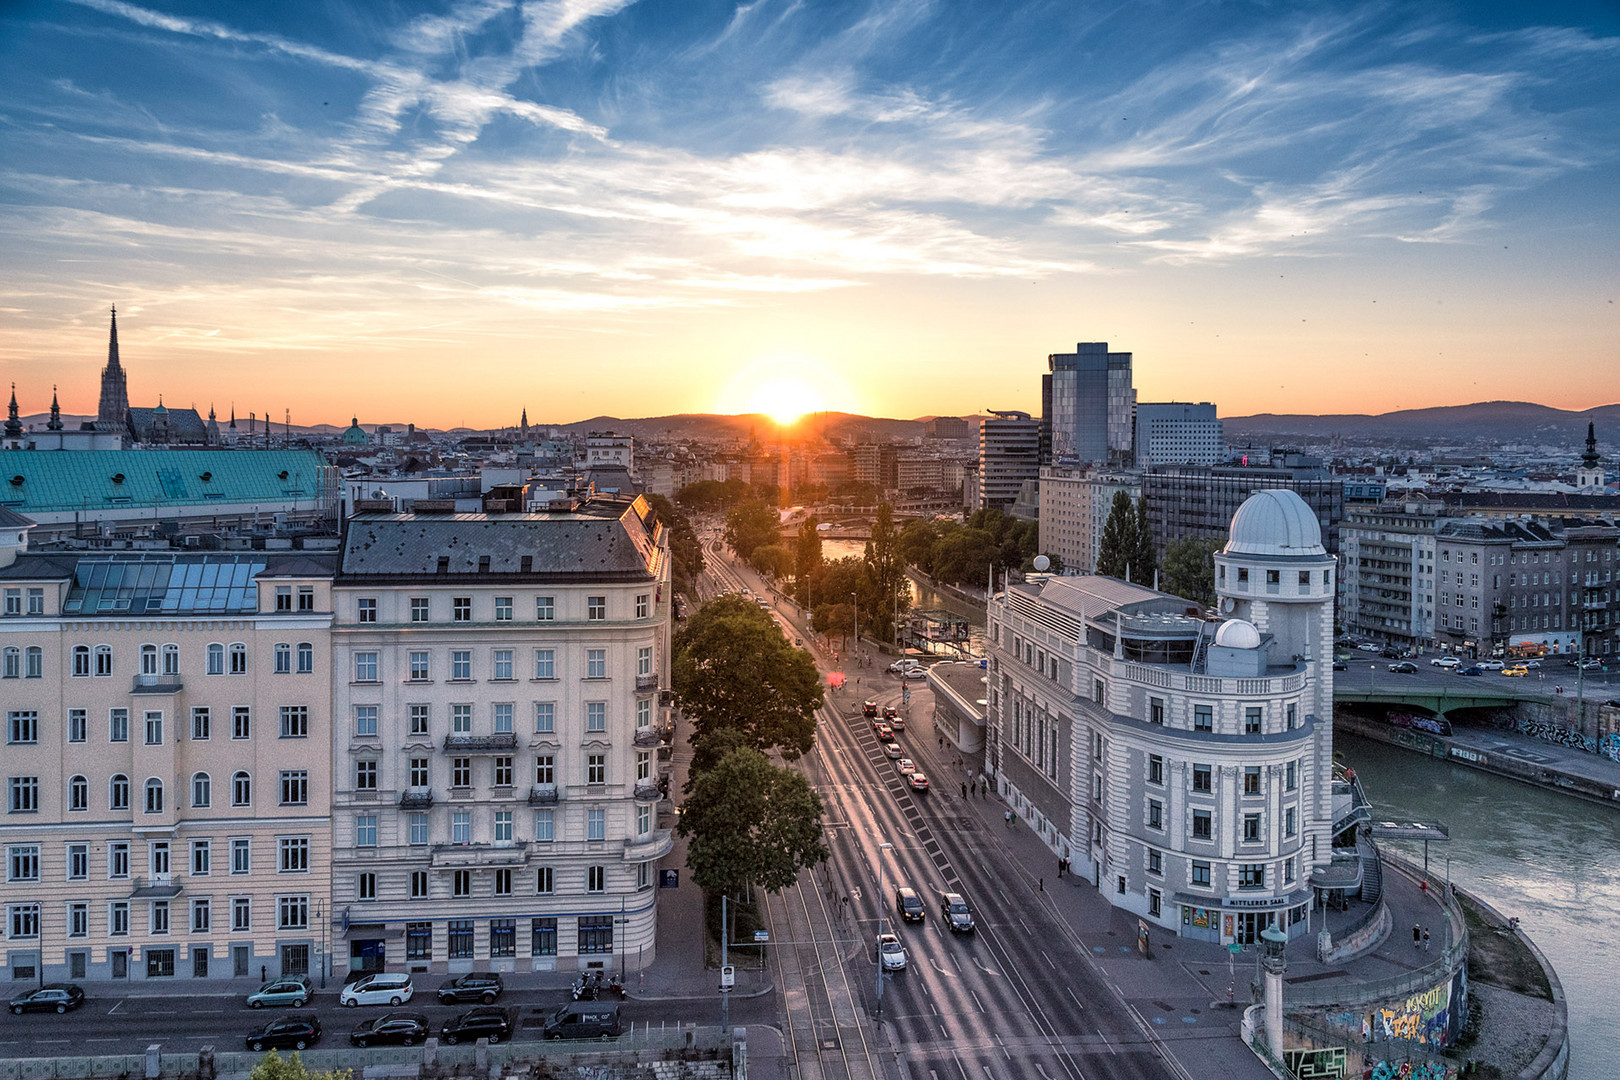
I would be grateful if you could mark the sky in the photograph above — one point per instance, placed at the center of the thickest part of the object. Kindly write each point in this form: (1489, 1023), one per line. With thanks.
(443, 213)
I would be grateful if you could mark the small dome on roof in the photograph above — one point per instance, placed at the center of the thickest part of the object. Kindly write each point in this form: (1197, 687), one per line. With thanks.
(1275, 522)
(355, 435)
(1237, 634)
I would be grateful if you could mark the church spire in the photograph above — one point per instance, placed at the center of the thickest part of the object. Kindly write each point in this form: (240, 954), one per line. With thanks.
(13, 422)
(113, 411)
(1591, 459)
(55, 422)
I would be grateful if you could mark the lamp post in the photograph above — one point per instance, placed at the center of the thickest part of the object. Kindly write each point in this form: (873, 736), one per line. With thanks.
(1272, 944)
(322, 951)
(883, 884)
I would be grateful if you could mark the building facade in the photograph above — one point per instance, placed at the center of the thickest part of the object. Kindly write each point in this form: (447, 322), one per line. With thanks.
(1009, 454)
(1087, 402)
(1185, 501)
(1074, 507)
(1387, 586)
(166, 764)
(496, 783)
(1174, 433)
(1184, 767)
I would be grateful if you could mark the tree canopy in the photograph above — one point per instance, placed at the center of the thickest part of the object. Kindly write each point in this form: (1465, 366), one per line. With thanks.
(707, 496)
(748, 822)
(806, 558)
(772, 560)
(751, 525)
(886, 573)
(275, 1067)
(1189, 567)
(963, 554)
(732, 668)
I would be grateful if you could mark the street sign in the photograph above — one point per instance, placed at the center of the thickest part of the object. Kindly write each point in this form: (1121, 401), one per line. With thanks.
(669, 879)
(728, 977)
(762, 935)
(1234, 948)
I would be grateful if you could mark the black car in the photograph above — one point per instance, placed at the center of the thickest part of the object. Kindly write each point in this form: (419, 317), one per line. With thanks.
(56, 997)
(403, 1029)
(474, 1024)
(483, 986)
(955, 911)
(869, 708)
(1340, 665)
(909, 904)
(1405, 667)
(294, 1031)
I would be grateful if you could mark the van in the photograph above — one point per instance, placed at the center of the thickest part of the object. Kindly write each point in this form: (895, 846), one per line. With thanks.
(379, 988)
(584, 1020)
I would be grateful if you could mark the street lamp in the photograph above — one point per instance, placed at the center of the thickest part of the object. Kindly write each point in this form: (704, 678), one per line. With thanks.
(883, 884)
(322, 951)
(854, 602)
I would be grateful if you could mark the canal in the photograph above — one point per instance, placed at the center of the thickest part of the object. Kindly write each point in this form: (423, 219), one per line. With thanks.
(1552, 860)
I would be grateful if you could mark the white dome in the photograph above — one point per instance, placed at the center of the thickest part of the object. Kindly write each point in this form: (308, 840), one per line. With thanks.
(1275, 522)
(1237, 634)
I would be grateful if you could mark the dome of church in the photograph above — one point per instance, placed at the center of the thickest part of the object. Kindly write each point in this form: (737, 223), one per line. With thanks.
(1275, 522)
(1237, 634)
(355, 435)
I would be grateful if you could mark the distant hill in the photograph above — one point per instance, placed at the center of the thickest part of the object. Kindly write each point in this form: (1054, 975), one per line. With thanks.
(708, 426)
(1501, 422)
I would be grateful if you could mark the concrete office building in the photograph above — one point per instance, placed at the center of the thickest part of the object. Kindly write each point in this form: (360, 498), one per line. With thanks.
(496, 782)
(1087, 401)
(1009, 454)
(1188, 501)
(1074, 507)
(1387, 585)
(1184, 767)
(1178, 434)
(166, 764)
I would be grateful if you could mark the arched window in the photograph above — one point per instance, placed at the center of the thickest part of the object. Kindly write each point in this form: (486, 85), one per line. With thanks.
(171, 659)
(11, 663)
(202, 790)
(238, 659)
(78, 793)
(241, 789)
(103, 660)
(81, 661)
(34, 662)
(118, 792)
(216, 659)
(149, 660)
(306, 658)
(154, 796)
(283, 658)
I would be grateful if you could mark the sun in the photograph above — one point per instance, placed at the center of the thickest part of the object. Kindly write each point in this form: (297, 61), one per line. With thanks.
(785, 400)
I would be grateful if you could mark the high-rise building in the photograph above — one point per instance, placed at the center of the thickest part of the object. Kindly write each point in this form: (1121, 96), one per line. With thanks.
(1183, 767)
(1087, 402)
(947, 427)
(1009, 454)
(1186, 500)
(1175, 433)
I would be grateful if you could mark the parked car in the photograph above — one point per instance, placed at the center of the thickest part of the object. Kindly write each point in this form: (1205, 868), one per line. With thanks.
(295, 1031)
(908, 905)
(485, 1022)
(584, 1020)
(902, 665)
(1445, 662)
(907, 766)
(1590, 665)
(396, 1029)
(919, 672)
(52, 997)
(1531, 664)
(1405, 667)
(1368, 647)
(291, 990)
(1340, 665)
(869, 708)
(918, 781)
(954, 910)
(378, 988)
(890, 953)
(1492, 665)
(482, 986)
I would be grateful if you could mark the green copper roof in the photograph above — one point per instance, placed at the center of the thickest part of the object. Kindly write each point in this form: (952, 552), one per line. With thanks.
(49, 481)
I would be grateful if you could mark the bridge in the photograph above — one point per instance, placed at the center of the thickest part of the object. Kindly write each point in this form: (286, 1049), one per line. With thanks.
(1437, 701)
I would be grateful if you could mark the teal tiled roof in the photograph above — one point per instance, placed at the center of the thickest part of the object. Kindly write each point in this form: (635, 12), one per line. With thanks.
(43, 482)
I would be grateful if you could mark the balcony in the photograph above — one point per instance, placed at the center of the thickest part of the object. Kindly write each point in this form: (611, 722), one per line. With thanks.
(655, 845)
(157, 684)
(648, 792)
(646, 738)
(646, 682)
(416, 798)
(459, 856)
(543, 794)
(154, 887)
(480, 744)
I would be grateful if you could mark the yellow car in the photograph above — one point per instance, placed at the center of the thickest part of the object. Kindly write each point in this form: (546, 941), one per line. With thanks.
(1516, 671)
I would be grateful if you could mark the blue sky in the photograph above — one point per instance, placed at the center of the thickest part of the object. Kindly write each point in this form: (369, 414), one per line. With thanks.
(443, 212)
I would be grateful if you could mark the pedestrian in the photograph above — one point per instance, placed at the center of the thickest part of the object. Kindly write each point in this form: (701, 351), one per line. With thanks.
(1060, 869)
(1008, 818)
(970, 772)
(1425, 939)
(1041, 884)
(984, 786)
(964, 789)
(942, 742)
(1417, 935)
(264, 973)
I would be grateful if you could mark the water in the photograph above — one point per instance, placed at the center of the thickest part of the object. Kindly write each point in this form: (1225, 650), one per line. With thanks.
(922, 598)
(1552, 860)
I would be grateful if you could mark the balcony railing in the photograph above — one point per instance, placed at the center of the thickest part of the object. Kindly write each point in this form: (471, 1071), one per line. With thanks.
(416, 798)
(646, 682)
(480, 744)
(655, 845)
(456, 855)
(647, 737)
(543, 794)
(157, 684)
(155, 885)
(648, 792)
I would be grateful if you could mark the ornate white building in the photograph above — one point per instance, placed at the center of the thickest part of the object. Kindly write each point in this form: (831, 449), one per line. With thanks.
(1184, 766)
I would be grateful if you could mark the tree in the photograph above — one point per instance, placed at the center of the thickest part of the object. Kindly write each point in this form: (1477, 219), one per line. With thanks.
(732, 668)
(685, 549)
(707, 496)
(772, 560)
(1146, 560)
(748, 822)
(964, 557)
(917, 542)
(750, 525)
(1118, 544)
(834, 619)
(1189, 567)
(275, 1067)
(806, 558)
(886, 571)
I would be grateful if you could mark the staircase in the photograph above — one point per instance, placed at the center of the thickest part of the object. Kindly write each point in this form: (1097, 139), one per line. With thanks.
(1372, 875)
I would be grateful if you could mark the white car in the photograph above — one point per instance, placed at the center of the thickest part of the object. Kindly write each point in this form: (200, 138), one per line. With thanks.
(1368, 647)
(907, 766)
(1445, 662)
(900, 666)
(891, 954)
(1491, 665)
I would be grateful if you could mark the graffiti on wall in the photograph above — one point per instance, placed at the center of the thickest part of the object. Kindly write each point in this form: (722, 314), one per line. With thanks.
(1434, 725)
(1413, 1070)
(1555, 733)
(1430, 1018)
(1316, 1064)
(1609, 746)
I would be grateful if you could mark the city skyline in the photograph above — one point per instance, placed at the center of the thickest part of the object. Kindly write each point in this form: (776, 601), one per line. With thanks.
(890, 209)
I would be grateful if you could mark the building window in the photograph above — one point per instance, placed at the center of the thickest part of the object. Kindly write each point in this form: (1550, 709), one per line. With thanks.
(1097, 691)
(118, 859)
(596, 716)
(365, 776)
(419, 885)
(283, 597)
(596, 824)
(201, 723)
(241, 722)
(202, 790)
(503, 828)
(419, 609)
(154, 729)
(23, 921)
(503, 609)
(545, 663)
(283, 658)
(641, 605)
(1201, 829)
(365, 721)
(1155, 769)
(366, 886)
(1200, 874)
(503, 665)
(595, 933)
(545, 771)
(292, 913)
(461, 827)
(461, 665)
(1201, 778)
(118, 792)
(418, 825)
(365, 831)
(1155, 814)
(294, 854)
(78, 920)
(1251, 828)
(1155, 710)
(596, 769)
(1251, 720)
(544, 881)
(118, 725)
(644, 661)
(202, 916)
(461, 772)
(238, 659)
(22, 727)
(418, 772)
(1291, 776)
(118, 918)
(643, 821)
(461, 609)
(241, 789)
(241, 856)
(159, 919)
(22, 862)
(418, 662)
(365, 667)
(595, 879)
(596, 663)
(294, 787)
(366, 609)
(104, 665)
(545, 826)
(1293, 716)
(1288, 870)
(81, 661)
(543, 937)
(461, 883)
(418, 941)
(154, 796)
(419, 719)
(1155, 902)
(1203, 718)
(643, 713)
(596, 608)
(1251, 780)
(1155, 863)
(503, 772)
(545, 608)
(1290, 821)
(502, 936)
(78, 793)
(241, 913)
(545, 717)
(295, 721)
(1251, 875)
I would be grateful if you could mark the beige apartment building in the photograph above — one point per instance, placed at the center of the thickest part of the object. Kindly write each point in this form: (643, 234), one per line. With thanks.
(166, 763)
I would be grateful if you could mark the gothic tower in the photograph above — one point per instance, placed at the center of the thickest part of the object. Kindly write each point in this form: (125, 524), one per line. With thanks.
(113, 413)
(1589, 477)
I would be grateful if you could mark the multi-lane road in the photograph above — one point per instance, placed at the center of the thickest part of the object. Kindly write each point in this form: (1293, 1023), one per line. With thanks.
(1018, 997)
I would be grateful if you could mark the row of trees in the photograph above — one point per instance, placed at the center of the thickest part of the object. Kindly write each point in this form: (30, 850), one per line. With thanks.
(713, 496)
(685, 549)
(1126, 551)
(963, 554)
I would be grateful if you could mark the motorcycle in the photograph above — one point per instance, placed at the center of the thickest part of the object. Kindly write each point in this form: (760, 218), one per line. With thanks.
(586, 986)
(616, 987)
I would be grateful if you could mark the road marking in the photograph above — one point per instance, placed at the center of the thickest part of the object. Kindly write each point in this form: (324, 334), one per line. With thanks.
(1048, 960)
(1076, 1000)
(977, 1003)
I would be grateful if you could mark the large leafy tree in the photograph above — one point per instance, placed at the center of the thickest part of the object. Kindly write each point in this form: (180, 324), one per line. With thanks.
(1146, 560)
(732, 668)
(750, 525)
(685, 549)
(1189, 567)
(917, 542)
(275, 1067)
(706, 496)
(1118, 545)
(886, 572)
(750, 823)
(772, 560)
(964, 556)
(806, 558)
